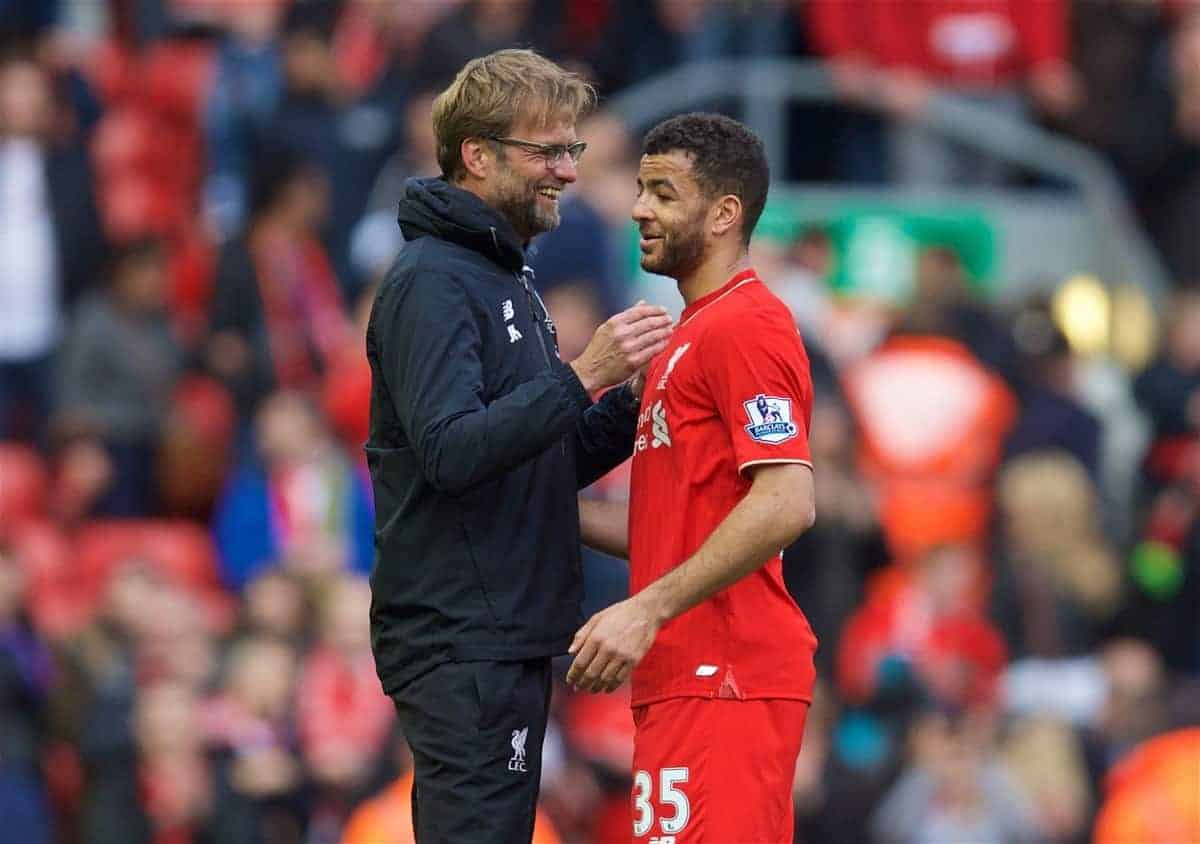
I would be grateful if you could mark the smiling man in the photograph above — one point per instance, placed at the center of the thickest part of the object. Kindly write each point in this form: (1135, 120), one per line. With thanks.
(480, 438)
(721, 657)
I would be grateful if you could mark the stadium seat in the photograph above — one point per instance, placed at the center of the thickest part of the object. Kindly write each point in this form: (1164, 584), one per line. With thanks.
(58, 601)
(24, 485)
(181, 551)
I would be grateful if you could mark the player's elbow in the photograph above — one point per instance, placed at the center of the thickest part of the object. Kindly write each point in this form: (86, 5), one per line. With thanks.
(807, 515)
(801, 514)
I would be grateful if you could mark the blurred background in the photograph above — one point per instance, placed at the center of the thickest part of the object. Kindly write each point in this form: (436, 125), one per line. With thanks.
(985, 217)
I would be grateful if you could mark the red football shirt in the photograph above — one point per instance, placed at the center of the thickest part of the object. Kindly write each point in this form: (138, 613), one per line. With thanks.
(730, 391)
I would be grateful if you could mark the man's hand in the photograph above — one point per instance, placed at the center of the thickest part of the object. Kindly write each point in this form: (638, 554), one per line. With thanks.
(622, 346)
(610, 644)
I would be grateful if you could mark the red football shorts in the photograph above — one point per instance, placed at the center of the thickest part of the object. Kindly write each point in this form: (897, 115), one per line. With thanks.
(715, 770)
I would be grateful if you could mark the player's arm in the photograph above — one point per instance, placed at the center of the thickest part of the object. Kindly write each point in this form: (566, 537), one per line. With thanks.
(604, 525)
(777, 509)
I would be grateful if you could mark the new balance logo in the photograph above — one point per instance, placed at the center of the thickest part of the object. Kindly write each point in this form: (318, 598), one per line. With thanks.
(513, 334)
(660, 434)
(506, 310)
(517, 762)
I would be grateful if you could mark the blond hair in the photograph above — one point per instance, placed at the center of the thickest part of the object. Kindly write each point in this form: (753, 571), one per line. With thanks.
(493, 93)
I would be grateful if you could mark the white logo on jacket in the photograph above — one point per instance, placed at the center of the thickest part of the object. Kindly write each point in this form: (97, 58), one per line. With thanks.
(508, 312)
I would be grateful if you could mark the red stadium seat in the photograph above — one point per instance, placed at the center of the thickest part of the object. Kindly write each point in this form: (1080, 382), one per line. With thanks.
(57, 598)
(24, 485)
(181, 551)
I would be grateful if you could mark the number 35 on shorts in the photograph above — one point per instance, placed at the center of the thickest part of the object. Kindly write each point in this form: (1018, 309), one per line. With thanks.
(674, 811)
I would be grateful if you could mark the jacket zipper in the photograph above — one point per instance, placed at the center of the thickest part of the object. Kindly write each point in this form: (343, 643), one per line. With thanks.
(538, 322)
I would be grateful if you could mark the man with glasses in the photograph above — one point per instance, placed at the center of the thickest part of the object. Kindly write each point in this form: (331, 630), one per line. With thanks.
(480, 439)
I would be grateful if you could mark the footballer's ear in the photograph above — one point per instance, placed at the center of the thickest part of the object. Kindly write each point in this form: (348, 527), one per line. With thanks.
(727, 214)
(477, 156)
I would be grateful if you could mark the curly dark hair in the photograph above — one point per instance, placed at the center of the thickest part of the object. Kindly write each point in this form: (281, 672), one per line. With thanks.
(727, 158)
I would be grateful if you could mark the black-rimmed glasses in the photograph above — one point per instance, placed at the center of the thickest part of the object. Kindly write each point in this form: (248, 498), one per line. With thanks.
(552, 154)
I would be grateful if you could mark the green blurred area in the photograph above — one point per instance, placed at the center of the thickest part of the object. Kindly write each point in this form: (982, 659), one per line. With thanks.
(876, 245)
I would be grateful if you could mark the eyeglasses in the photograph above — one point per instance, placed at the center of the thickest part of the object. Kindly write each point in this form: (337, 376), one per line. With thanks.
(552, 154)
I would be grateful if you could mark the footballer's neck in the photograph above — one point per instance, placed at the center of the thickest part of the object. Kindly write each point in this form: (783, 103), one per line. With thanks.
(713, 273)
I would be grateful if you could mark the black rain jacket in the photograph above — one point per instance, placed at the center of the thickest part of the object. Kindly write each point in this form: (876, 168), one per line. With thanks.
(480, 438)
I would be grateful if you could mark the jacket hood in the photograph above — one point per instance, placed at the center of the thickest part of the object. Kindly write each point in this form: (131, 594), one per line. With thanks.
(432, 207)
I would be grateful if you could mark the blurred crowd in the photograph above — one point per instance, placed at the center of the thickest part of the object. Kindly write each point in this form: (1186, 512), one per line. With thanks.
(197, 199)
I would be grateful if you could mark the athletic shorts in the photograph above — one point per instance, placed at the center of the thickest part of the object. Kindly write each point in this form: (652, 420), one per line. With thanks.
(717, 771)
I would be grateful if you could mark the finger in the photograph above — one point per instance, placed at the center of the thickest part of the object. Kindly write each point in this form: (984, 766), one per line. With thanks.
(642, 356)
(638, 312)
(650, 323)
(609, 675)
(581, 635)
(583, 659)
(591, 678)
(662, 335)
(620, 678)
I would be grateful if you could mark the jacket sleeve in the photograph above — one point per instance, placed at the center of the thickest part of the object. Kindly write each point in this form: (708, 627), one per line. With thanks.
(428, 347)
(604, 436)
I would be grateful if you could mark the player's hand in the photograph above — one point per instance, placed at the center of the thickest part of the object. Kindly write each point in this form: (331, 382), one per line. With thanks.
(610, 644)
(623, 345)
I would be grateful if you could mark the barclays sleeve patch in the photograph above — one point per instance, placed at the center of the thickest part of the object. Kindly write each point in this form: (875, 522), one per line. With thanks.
(770, 419)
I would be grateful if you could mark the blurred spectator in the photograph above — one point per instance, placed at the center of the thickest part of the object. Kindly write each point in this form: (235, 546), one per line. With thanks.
(932, 421)
(478, 27)
(1058, 583)
(174, 781)
(343, 716)
(1046, 759)
(50, 242)
(923, 632)
(301, 503)
(347, 140)
(945, 301)
(116, 373)
(247, 724)
(246, 88)
(997, 53)
(1135, 707)
(376, 238)
(275, 604)
(26, 675)
(1051, 416)
(648, 38)
(955, 788)
(826, 568)
(1169, 392)
(588, 248)
(277, 315)
(1151, 796)
(95, 707)
(1161, 146)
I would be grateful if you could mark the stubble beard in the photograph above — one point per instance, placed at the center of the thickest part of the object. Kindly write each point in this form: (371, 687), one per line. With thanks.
(518, 200)
(680, 251)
